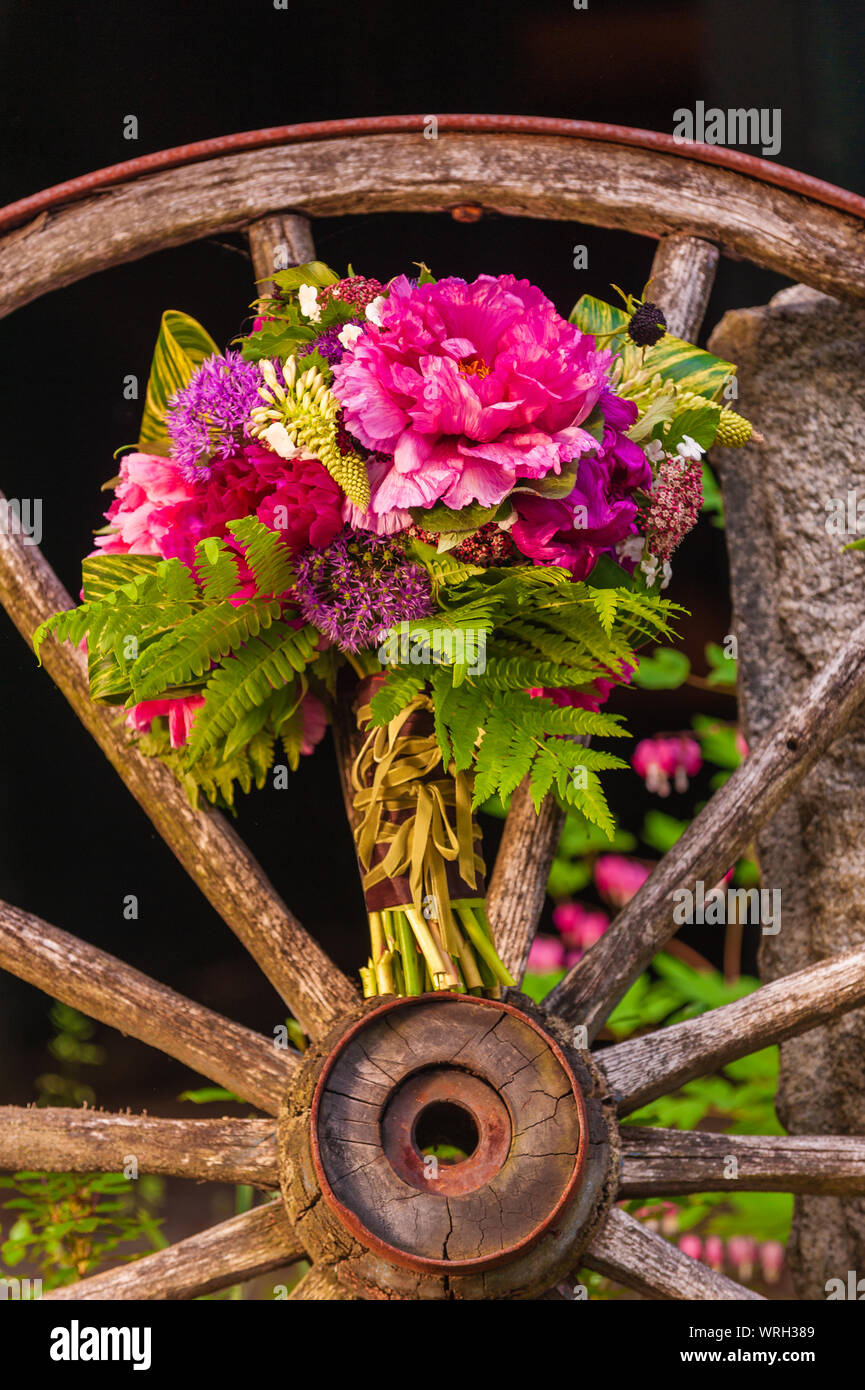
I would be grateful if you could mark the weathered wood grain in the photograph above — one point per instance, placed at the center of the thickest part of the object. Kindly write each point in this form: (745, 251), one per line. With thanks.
(716, 838)
(650, 193)
(683, 272)
(318, 1285)
(212, 853)
(242, 1248)
(102, 987)
(57, 1140)
(656, 1063)
(625, 1251)
(682, 276)
(277, 242)
(669, 1162)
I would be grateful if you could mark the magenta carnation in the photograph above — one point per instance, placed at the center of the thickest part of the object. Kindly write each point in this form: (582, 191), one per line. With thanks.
(306, 507)
(470, 387)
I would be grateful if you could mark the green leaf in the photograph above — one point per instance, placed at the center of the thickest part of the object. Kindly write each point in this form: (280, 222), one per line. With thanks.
(665, 669)
(723, 668)
(311, 273)
(463, 521)
(700, 423)
(662, 831)
(206, 1094)
(181, 347)
(606, 602)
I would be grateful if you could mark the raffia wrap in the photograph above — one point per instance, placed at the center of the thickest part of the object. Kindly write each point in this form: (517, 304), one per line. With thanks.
(414, 830)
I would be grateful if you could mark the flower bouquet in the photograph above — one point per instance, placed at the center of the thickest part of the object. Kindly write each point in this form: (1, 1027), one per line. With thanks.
(438, 505)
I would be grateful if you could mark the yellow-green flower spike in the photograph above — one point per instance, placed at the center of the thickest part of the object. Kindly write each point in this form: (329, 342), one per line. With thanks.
(733, 430)
(307, 410)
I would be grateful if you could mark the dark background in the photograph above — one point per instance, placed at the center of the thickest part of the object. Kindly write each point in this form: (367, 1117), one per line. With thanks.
(74, 844)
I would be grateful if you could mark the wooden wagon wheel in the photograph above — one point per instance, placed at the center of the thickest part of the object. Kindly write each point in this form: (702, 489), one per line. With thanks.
(516, 1085)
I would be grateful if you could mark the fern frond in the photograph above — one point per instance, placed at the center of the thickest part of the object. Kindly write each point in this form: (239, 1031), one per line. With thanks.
(267, 555)
(190, 648)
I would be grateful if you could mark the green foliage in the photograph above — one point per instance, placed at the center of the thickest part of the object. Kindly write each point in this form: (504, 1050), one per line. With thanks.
(689, 367)
(287, 332)
(665, 669)
(534, 628)
(661, 831)
(70, 1223)
(181, 347)
(158, 629)
(722, 668)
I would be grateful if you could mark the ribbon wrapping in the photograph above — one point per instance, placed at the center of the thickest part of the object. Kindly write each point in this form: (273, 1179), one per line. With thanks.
(414, 830)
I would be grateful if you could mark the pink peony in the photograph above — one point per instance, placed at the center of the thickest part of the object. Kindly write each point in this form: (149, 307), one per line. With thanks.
(617, 878)
(152, 500)
(470, 387)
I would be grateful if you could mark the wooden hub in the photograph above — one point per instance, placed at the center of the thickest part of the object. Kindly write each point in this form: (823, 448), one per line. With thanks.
(439, 1149)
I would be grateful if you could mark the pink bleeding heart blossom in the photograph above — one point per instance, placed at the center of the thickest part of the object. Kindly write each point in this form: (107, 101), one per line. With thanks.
(547, 954)
(470, 388)
(658, 760)
(580, 926)
(618, 878)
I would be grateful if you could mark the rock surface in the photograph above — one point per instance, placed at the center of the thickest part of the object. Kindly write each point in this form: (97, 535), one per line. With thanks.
(796, 595)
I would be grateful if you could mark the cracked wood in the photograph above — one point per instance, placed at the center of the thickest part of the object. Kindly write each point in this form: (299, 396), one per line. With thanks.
(669, 1162)
(102, 987)
(242, 1248)
(60, 1140)
(657, 1063)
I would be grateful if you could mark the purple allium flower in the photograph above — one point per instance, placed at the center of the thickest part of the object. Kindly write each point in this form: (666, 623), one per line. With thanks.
(208, 418)
(359, 586)
(328, 344)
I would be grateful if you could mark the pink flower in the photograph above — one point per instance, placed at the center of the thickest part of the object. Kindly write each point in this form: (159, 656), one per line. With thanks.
(180, 713)
(617, 879)
(314, 723)
(470, 387)
(580, 926)
(152, 498)
(658, 759)
(601, 509)
(306, 507)
(546, 954)
(771, 1260)
(742, 1252)
(692, 1245)
(713, 1252)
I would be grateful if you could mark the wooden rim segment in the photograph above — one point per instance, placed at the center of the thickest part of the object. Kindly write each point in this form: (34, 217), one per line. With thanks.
(653, 188)
(778, 175)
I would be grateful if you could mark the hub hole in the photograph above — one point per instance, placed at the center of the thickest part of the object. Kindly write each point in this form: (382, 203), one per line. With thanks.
(446, 1131)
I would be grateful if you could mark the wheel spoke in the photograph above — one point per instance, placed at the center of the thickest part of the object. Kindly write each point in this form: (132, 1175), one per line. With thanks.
(57, 1140)
(518, 885)
(715, 839)
(683, 272)
(657, 1063)
(668, 1162)
(319, 1286)
(626, 1251)
(235, 1250)
(209, 850)
(102, 987)
(276, 242)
